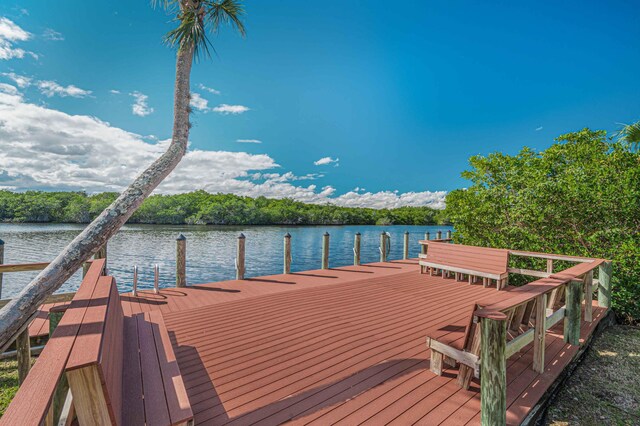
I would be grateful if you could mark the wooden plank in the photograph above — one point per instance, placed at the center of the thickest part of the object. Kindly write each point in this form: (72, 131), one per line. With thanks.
(550, 256)
(32, 401)
(588, 296)
(174, 390)
(529, 272)
(466, 358)
(54, 298)
(155, 403)
(22, 267)
(133, 410)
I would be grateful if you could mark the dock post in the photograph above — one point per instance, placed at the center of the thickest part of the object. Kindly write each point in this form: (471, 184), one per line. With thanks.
(102, 254)
(23, 353)
(439, 235)
(493, 375)
(181, 261)
(1, 262)
(383, 247)
(405, 252)
(356, 248)
(572, 320)
(588, 296)
(240, 257)
(604, 288)
(427, 236)
(135, 280)
(325, 251)
(156, 279)
(448, 234)
(287, 253)
(60, 394)
(539, 333)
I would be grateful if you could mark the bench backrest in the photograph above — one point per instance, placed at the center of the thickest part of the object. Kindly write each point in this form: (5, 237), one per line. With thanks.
(489, 261)
(32, 403)
(97, 356)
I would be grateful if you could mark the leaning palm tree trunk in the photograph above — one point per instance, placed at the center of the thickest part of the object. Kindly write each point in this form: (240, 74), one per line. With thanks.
(17, 312)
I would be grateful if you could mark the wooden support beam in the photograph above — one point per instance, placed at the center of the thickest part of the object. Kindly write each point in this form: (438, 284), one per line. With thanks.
(435, 363)
(88, 396)
(62, 389)
(325, 251)
(550, 266)
(539, 333)
(466, 358)
(493, 380)
(605, 271)
(23, 267)
(572, 320)
(588, 296)
(181, 261)
(287, 254)
(240, 253)
(23, 352)
(529, 272)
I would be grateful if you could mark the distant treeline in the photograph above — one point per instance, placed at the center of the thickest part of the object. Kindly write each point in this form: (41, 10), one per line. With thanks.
(200, 207)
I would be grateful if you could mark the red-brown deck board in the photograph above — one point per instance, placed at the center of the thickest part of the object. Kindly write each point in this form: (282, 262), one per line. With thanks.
(344, 345)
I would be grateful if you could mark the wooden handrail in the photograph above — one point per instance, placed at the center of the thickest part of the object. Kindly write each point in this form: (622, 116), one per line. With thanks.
(54, 298)
(32, 404)
(22, 267)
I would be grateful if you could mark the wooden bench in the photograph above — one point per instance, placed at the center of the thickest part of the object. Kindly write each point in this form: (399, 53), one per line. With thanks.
(528, 316)
(120, 370)
(486, 263)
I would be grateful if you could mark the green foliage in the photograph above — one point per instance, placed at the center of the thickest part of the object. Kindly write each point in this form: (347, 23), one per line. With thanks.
(630, 134)
(200, 207)
(581, 196)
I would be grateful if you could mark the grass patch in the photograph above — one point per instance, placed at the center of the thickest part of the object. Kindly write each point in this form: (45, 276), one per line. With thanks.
(605, 388)
(8, 382)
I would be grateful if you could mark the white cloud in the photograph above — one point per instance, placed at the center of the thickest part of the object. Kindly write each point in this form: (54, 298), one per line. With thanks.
(248, 141)
(53, 35)
(209, 89)
(42, 148)
(20, 80)
(198, 102)
(140, 106)
(326, 160)
(114, 92)
(10, 33)
(51, 88)
(8, 89)
(539, 128)
(230, 109)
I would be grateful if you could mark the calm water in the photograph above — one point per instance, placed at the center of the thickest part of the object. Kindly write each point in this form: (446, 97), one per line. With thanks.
(210, 250)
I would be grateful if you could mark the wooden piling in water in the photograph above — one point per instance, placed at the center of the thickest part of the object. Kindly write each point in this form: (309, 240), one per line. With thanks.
(405, 251)
(439, 235)
(287, 253)
(1, 262)
(383, 247)
(448, 234)
(135, 280)
(356, 248)
(156, 279)
(493, 376)
(240, 252)
(427, 236)
(325, 251)
(181, 261)
(573, 312)
(604, 287)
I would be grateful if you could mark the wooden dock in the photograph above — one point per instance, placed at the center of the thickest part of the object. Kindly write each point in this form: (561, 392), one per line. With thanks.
(348, 345)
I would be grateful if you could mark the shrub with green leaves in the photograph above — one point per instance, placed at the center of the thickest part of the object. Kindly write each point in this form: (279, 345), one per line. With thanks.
(580, 196)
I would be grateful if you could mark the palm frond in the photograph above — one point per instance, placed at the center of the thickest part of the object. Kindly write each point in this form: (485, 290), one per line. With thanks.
(630, 134)
(225, 12)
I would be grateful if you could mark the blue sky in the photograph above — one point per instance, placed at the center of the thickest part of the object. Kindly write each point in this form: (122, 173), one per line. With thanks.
(402, 97)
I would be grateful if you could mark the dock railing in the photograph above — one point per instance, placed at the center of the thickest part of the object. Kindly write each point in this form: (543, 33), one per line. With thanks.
(507, 327)
(43, 397)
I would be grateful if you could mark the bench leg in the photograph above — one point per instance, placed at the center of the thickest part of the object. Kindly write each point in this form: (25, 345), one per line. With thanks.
(435, 365)
(451, 362)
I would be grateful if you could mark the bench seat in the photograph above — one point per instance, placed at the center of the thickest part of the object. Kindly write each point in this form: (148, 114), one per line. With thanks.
(122, 370)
